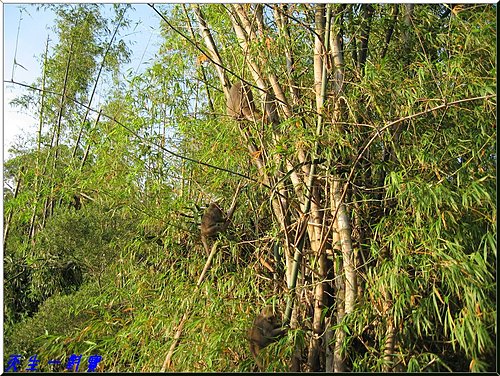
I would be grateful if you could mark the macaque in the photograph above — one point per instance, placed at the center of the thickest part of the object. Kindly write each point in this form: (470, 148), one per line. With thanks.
(240, 103)
(214, 221)
(76, 202)
(265, 330)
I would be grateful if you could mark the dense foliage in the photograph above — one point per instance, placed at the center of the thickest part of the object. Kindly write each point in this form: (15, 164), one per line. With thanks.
(367, 215)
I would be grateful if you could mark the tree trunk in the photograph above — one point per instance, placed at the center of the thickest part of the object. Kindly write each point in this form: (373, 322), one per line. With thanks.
(11, 212)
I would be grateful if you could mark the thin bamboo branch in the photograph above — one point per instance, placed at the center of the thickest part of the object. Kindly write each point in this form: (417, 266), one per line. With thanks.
(168, 359)
(87, 149)
(54, 144)
(94, 89)
(39, 177)
(11, 212)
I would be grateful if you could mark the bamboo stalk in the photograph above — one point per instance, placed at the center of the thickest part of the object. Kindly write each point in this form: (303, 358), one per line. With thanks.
(168, 359)
(11, 212)
(38, 176)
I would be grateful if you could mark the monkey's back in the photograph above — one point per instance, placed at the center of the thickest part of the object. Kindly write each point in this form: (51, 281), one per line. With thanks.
(211, 220)
(240, 103)
(262, 333)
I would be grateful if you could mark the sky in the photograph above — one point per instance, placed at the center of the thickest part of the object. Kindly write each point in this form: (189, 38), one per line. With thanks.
(33, 27)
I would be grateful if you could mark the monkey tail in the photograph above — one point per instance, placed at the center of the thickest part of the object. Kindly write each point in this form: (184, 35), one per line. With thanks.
(205, 244)
(259, 365)
(254, 349)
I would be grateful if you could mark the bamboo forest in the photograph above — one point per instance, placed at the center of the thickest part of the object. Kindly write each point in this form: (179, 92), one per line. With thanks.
(282, 188)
